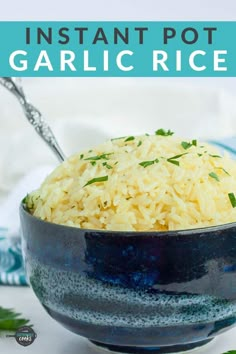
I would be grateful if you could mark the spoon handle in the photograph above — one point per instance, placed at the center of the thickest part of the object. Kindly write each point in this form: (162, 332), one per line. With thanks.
(33, 115)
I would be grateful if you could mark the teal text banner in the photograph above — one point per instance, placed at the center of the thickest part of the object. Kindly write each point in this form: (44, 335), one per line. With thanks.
(118, 49)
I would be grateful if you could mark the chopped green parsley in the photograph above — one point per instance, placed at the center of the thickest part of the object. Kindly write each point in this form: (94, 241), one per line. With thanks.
(164, 132)
(130, 138)
(106, 165)
(217, 156)
(215, 176)
(173, 159)
(232, 199)
(186, 145)
(99, 157)
(121, 137)
(148, 163)
(175, 162)
(139, 143)
(221, 168)
(96, 180)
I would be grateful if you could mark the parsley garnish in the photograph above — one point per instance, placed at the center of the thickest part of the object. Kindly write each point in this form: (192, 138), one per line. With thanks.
(93, 163)
(199, 155)
(121, 137)
(129, 138)
(174, 158)
(175, 162)
(164, 132)
(218, 156)
(232, 199)
(177, 156)
(214, 175)
(99, 157)
(28, 202)
(139, 143)
(81, 156)
(148, 163)
(231, 352)
(185, 145)
(106, 165)
(10, 320)
(96, 180)
(25, 200)
(221, 168)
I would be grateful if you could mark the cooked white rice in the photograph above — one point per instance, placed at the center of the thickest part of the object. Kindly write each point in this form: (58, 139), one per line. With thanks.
(156, 195)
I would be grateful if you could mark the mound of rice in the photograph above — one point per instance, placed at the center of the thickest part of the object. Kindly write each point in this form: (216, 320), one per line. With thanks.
(156, 182)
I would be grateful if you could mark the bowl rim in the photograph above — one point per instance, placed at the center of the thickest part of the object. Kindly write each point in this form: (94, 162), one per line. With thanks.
(171, 233)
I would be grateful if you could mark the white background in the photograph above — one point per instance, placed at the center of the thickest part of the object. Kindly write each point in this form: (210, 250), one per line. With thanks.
(119, 10)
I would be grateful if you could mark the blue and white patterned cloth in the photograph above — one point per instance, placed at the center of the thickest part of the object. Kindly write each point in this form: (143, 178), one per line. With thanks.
(11, 262)
(12, 271)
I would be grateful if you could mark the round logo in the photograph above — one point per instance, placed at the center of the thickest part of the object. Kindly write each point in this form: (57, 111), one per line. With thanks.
(25, 336)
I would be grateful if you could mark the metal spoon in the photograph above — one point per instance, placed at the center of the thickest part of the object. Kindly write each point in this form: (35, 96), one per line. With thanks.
(33, 115)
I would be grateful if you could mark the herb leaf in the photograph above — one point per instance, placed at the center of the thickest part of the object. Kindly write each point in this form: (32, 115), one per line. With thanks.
(174, 158)
(148, 163)
(215, 176)
(96, 180)
(175, 162)
(232, 199)
(106, 165)
(25, 200)
(164, 132)
(28, 202)
(10, 320)
(186, 145)
(221, 168)
(218, 156)
(177, 156)
(230, 352)
(121, 137)
(139, 143)
(129, 138)
(99, 157)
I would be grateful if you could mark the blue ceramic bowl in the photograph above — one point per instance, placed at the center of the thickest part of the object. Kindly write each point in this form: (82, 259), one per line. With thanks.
(134, 292)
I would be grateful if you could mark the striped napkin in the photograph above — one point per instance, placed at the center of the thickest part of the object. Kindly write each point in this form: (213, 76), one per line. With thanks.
(12, 270)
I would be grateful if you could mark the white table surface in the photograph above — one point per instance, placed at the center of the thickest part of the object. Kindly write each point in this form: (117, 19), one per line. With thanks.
(54, 339)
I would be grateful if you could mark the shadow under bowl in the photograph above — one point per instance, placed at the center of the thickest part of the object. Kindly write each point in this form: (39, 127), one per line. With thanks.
(134, 292)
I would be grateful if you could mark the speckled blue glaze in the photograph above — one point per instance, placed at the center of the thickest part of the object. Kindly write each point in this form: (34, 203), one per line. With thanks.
(134, 292)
